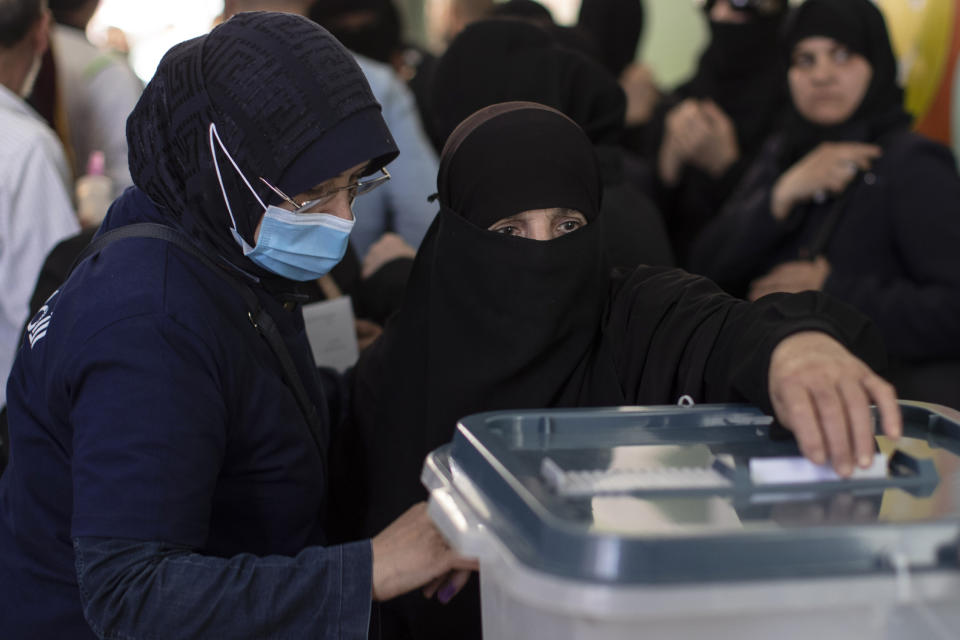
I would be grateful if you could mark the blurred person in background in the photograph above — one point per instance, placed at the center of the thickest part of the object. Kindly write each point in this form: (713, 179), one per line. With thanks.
(706, 133)
(502, 60)
(615, 28)
(98, 90)
(35, 207)
(371, 30)
(446, 18)
(847, 200)
(169, 469)
(528, 10)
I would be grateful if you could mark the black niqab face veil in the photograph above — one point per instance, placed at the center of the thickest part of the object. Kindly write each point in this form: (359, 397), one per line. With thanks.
(289, 103)
(858, 25)
(516, 319)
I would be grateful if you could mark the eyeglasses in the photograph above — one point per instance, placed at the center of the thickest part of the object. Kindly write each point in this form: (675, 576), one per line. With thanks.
(756, 7)
(358, 188)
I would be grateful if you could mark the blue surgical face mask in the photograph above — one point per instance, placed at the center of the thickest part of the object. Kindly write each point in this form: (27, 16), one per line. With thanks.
(296, 246)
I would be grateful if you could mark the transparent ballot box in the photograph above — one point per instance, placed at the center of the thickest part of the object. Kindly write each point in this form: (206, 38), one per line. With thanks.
(700, 522)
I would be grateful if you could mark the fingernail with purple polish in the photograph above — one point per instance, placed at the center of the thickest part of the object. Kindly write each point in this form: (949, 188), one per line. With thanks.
(447, 592)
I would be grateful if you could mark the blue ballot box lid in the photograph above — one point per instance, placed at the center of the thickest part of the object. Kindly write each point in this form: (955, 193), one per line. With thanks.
(656, 495)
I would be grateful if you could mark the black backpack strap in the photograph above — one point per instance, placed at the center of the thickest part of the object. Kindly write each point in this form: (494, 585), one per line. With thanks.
(259, 317)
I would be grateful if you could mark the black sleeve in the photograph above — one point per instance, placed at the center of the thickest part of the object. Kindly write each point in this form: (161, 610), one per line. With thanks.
(735, 247)
(380, 295)
(919, 311)
(676, 334)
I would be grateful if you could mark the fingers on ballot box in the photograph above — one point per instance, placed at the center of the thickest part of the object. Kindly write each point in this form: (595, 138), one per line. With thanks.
(700, 522)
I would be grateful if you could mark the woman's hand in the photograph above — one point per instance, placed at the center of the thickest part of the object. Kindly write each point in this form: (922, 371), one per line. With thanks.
(791, 277)
(828, 169)
(367, 332)
(642, 94)
(389, 247)
(822, 393)
(411, 553)
(717, 149)
(700, 134)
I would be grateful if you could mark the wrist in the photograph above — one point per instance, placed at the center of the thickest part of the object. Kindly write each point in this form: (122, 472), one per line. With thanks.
(668, 168)
(720, 165)
(781, 200)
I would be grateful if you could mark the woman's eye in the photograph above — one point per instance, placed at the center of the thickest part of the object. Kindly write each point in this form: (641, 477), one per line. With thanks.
(569, 225)
(803, 60)
(507, 230)
(841, 55)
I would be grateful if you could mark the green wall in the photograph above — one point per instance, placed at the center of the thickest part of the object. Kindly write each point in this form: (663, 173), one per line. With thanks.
(674, 35)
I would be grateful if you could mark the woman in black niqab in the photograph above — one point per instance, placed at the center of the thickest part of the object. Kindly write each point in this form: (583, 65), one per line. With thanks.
(497, 322)
(741, 73)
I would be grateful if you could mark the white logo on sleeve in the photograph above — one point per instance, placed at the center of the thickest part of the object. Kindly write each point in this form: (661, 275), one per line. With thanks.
(37, 327)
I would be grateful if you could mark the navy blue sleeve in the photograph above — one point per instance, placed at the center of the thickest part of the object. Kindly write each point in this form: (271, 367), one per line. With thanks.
(132, 590)
(149, 432)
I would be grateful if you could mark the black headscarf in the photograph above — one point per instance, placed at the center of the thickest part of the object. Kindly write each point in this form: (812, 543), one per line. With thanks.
(616, 27)
(858, 25)
(495, 61)
(551, 173)
(740, 71)
(289, 103)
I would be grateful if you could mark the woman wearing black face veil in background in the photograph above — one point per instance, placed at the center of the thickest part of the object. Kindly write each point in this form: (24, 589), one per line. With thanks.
(495, 321)
(845, 198)
(707, 132)
(499, 60)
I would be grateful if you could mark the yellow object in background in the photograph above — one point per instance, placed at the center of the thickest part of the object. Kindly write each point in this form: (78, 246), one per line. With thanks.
(921, 31)
(926, 39)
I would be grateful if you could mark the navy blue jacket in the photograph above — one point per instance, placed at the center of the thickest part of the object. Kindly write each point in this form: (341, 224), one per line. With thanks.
(151, 429)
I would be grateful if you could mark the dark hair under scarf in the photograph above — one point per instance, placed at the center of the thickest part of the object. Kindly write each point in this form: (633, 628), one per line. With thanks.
(616, 27)
(858, 25)
(495, 61)
(289, 103)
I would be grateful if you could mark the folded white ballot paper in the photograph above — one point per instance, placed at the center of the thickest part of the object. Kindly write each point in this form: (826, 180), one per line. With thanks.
(331, 332)
(795, 470)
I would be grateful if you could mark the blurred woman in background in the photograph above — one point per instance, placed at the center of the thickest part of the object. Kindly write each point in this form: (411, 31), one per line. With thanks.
(847, 200)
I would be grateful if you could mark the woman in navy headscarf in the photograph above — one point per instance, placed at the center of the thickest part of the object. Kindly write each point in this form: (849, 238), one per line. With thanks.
(169, 428)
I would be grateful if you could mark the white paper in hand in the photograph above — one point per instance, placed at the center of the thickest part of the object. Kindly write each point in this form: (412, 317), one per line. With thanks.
(332, 334)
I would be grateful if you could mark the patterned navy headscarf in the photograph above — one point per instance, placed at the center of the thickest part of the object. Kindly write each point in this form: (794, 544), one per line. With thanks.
(289, 103)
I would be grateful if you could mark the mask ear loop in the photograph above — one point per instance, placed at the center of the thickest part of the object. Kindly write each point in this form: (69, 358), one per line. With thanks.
(213, 133)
